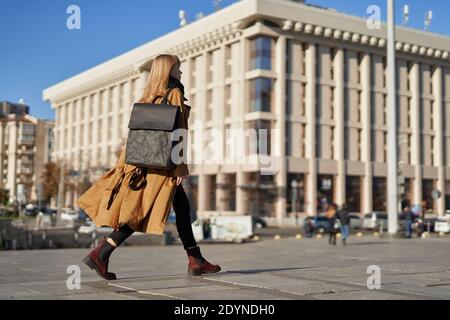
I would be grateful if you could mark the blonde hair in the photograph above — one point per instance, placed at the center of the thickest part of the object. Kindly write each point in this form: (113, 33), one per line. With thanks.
(159, 77)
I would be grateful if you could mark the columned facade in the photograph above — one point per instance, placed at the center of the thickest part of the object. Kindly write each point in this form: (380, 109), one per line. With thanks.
(315, 76)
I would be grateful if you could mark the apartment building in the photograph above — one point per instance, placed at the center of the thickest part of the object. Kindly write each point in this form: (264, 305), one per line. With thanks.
(25, 145)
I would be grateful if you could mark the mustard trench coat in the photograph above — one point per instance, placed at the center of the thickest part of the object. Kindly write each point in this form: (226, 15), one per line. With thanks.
(110, 202)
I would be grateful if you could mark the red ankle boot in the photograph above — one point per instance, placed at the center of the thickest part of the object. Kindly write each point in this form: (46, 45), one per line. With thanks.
(197, 267)
(93, 261)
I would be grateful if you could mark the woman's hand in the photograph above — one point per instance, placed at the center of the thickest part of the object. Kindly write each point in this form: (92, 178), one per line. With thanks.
(180, 179)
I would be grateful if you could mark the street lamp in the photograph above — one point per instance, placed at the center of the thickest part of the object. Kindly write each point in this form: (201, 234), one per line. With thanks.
(294, 186)
(392, 197)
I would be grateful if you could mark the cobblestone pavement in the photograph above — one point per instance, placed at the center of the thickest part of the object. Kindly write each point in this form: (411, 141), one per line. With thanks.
(288, 268)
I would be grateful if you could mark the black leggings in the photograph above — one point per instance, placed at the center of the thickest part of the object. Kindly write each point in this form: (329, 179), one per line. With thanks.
(183, 221)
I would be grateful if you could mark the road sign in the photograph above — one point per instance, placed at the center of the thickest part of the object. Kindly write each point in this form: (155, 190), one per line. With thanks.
(436, 194)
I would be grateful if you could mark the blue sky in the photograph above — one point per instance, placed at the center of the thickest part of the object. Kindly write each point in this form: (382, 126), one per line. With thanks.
(37, 50)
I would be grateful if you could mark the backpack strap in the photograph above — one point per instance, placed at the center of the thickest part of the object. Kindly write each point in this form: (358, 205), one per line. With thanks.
(164, 100)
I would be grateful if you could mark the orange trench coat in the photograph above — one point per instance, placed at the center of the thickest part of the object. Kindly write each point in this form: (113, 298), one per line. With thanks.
(110, 202)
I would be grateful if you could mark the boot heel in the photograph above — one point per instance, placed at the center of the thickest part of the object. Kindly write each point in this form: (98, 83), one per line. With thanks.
(193, 272)
(88, 261)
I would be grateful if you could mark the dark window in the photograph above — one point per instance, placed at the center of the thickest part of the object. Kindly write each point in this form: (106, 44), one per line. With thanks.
(379, 194)
(261, 53)
(261, 94)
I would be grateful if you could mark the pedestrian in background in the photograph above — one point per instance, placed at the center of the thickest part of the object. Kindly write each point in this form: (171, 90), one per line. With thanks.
(331, 216)
(344, 218)
(409, 216)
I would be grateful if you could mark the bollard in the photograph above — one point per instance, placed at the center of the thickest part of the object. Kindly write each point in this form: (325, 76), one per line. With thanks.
(298, 236)
(318, 236)
(359, 234)
(256, 238)
(376, 234)
(277, 237)
(338, 235)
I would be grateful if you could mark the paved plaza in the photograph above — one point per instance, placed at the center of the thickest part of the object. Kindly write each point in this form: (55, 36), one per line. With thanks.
(288, 268)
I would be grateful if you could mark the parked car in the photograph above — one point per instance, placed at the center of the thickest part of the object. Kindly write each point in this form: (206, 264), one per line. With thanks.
(87, 228)
(258, 222)
(48, 216)
(373, 220)
(442, 224)
(313, 225)
(83, 217)
(355, 221)
(69, 215)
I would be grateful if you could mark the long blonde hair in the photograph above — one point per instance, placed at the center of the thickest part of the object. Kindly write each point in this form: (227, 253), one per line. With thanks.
(159, 77)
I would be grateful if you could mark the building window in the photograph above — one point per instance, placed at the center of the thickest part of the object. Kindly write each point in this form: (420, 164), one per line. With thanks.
(303, 57)
(227, 61)
(228, 100)
(379, 194)
(263, 137)
(353, 193)
(261, 53)
(325, 188)
(428, 186)
(332, 103)
(296, 185)
(261, 94)
(289, 48)
(303, 100)
(288, 97)
(289, 140)
(303, 141)
(358, 150)
(408, 111)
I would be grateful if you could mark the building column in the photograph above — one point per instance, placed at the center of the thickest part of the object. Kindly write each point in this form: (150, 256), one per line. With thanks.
(311, 129)
(78, 150)
(279, 154)
(128, 102)
(115, 142)
(241, 179)
(439, 147)
(105, 126)
(366, 140)
(85, 144)
(221, 179)
(62, 132)
(340, 125)
(70, 133)
(416, 149)
(140, 84)
(204, 186)
(220, 192)
(96, 135)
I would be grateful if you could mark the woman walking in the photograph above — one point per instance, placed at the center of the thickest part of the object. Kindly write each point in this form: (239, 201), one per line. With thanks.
(116, 202)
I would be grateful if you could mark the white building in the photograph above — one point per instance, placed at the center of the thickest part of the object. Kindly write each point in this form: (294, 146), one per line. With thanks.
(316, 75)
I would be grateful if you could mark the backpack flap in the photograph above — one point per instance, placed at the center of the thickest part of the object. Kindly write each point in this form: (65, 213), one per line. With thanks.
(149, 116)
